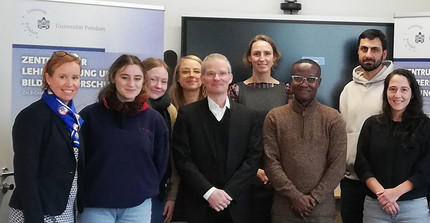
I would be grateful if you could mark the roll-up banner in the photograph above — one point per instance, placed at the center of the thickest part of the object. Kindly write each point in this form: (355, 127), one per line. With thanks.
(99, 32)
(412, 49)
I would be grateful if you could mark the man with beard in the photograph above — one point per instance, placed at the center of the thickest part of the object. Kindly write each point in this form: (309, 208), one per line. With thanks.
(361, 98)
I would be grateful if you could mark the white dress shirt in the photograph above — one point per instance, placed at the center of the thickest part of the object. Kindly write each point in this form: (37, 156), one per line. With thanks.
(218, 112)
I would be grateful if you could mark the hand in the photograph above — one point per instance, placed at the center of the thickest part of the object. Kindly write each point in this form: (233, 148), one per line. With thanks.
(347, 173)
(262, 176)
(391, 208)
(303, 205)
(387, 196)
(297, 214)
(219, 200)
(387, 199)
(168, 211)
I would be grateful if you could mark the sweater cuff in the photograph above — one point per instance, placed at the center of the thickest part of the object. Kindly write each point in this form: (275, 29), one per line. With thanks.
(294, 195)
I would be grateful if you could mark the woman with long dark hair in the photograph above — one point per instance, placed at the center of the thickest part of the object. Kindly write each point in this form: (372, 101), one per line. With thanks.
(393, 154)
(127, 149)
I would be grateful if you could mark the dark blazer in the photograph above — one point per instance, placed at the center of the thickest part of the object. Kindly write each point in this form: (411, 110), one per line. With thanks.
(44, 162)
(195, 157)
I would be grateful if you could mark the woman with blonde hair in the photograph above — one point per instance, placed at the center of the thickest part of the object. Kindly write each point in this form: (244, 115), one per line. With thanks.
(187, 86)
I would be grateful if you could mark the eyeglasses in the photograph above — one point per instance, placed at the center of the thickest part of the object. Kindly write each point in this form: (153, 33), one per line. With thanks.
(296, 79)
(187, 73)
(62, 53)
(213, 75)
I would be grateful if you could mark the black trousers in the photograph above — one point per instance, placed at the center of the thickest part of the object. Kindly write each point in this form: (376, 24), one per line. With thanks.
(352, 200)
(219, 217)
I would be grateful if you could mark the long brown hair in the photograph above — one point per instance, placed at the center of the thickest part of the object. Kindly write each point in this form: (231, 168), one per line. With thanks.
(110, 88)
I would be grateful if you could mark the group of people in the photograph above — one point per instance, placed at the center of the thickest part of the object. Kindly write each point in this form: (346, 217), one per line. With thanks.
(207, 150)
(388, 160)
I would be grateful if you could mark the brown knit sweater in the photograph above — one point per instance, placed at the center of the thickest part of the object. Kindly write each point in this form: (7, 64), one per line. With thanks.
(305, 153)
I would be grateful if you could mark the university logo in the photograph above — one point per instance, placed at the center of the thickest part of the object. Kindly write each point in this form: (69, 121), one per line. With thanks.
(414, 37)
(419, 38)
(35, 21)
(43, 23)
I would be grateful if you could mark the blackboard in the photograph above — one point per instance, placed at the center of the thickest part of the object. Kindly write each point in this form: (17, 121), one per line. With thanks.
(332, 43)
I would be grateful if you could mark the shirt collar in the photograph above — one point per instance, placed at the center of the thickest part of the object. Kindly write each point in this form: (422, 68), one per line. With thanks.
(217, 111)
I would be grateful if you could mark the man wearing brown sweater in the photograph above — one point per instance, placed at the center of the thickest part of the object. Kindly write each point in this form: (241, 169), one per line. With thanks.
(305, 151)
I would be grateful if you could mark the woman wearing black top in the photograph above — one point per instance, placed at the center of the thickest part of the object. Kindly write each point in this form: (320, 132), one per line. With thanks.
(48, 153)
(393, 158)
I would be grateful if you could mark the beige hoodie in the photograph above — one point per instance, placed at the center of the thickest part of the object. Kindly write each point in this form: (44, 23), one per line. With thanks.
(360, 99)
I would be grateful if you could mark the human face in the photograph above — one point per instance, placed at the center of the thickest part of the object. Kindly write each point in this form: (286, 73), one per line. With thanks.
(399, 95)
(65, 81)
(157, 79)
(261, 58)
(305, 92)
(189, 74)
(128, 82)
(371, 54)
(216, 77)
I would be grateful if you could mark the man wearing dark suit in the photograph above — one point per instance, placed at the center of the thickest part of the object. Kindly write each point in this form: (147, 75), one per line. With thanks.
(217, 148)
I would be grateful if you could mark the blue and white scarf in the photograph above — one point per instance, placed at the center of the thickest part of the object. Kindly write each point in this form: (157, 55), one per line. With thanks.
(66, 113)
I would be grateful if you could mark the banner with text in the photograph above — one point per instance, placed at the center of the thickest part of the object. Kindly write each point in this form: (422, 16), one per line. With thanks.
(412, 50)
(98, 33)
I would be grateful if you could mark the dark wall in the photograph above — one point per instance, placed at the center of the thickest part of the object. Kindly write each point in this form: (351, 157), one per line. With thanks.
(334, 44)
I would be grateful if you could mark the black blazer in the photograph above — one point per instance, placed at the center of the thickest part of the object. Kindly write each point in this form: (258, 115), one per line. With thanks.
(44, 162)
(195, 158)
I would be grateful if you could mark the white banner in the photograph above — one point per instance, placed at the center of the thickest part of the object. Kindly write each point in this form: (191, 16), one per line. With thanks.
(98, 33)
(412, 49)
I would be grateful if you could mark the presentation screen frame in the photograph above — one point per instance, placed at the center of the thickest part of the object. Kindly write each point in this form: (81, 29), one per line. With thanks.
(332, 43)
